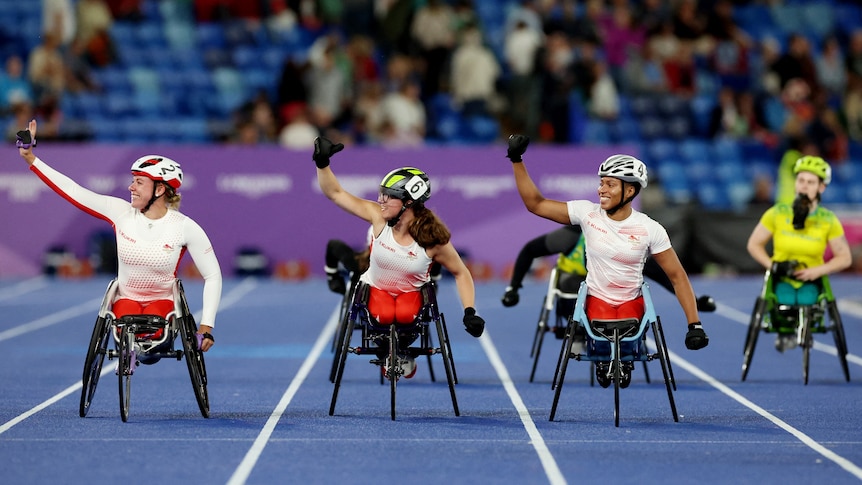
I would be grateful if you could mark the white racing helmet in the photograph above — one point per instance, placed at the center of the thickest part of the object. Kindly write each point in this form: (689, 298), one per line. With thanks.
(626, 168)
(160, 169)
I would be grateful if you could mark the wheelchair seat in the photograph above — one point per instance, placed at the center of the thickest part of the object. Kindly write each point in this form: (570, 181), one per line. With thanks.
(390, 344)
(613, 344)
(803, 321)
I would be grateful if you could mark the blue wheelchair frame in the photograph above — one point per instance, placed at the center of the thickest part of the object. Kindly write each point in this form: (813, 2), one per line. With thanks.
(615, 342)
(382, 341)
(802, 320)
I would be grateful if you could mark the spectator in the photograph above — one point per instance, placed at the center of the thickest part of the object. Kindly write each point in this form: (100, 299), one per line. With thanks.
(59, 16)
(620, 34)
(433, 29)
(298, 132)
(726, 120)
(126, 10)
(853, 57)
(474, 74)
(522, 49)
(831, 71)
(588, 29)
(368, 113)
(403, 116)
(559, 81)
(329, 90)
(681, 72)
(797, 63)
(46, 70)
(14, 88)
(643, 73)
(851, 107)
(604, 100)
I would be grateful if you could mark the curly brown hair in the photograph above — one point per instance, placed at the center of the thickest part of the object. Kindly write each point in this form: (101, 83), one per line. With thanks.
(426, 228)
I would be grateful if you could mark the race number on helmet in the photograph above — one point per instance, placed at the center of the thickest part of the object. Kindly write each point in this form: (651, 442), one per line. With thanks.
(159, 168)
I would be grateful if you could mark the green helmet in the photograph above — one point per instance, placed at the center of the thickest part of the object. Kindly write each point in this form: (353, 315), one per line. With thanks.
(406, 183)
(815, 165)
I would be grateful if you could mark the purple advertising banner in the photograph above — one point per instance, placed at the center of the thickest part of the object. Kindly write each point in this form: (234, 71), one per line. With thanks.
(268, 197)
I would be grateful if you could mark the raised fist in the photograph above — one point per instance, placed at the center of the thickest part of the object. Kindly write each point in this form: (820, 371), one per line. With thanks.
(517, 147)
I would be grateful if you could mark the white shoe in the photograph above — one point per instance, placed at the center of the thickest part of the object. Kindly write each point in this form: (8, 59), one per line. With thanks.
(785, 342)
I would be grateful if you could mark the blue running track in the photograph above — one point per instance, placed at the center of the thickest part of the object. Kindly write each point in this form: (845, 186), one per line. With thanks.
(270, 394)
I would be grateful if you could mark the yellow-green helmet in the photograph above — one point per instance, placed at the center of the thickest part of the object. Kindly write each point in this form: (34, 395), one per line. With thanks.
(815, 165)
(406, 183)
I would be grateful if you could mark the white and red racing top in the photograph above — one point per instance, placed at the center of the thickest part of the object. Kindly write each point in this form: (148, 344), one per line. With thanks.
(616, 250)
(394, 268)
(149, 250)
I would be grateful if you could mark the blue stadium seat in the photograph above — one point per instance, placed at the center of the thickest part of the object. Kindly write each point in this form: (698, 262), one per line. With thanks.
(701, 113)
(210, 35)
(724, 150)
(713, 196)
(596, 132)
(144, 79)
(659, 150)
(180, 35)
(481, 129)
(625, 130)
(694, 150)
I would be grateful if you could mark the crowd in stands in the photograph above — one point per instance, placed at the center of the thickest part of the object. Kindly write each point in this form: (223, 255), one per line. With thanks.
(412, 72)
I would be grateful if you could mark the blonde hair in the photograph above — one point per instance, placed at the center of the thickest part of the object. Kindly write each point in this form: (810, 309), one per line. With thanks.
(172, 198)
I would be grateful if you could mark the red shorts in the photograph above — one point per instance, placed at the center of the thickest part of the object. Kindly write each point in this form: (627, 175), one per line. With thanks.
(387, 309)
(597, 309)
(124, 306)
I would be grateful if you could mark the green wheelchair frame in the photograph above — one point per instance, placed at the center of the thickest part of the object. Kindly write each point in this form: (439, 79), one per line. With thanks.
(802, 320)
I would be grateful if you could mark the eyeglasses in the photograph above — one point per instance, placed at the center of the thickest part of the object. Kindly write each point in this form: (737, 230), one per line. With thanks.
(383, 198)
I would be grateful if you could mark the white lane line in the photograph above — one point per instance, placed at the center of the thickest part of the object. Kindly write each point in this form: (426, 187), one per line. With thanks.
(91, 306)
(244, 287)
(240, 475)
(844, 463)
(552, 471)
(23, 287)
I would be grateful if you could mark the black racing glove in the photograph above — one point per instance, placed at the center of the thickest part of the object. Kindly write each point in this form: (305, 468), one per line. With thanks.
(474, 324)
(696, 338)
(323, 149)
(23, 140)
(517, 147)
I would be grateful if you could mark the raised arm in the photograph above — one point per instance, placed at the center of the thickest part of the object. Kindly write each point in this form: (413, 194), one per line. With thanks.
(533, 199)
(365, 209)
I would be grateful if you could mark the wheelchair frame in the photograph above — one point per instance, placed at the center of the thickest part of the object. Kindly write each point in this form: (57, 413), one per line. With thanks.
(770, 317)
(549, 303)
(615, 333)
(381, 341)
(180, 322)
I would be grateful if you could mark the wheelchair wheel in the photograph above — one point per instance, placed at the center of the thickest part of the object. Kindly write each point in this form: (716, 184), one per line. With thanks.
(753, 332)
(541, 328)
(342, 358)
(664, 360)
(393, 370)
(840, 338)
(93, 363)
(194, 356)
(807, 339)
(125, 348)
(338, 341)
(562, 365)
(448, 363)
(617, 376)
(538, 339)
(448, 351)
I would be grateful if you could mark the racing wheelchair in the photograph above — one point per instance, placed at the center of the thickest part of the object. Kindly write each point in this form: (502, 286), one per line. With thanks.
(613, 346)
(800, 322)
(142, 338)
(560, 298)
(389, 345)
